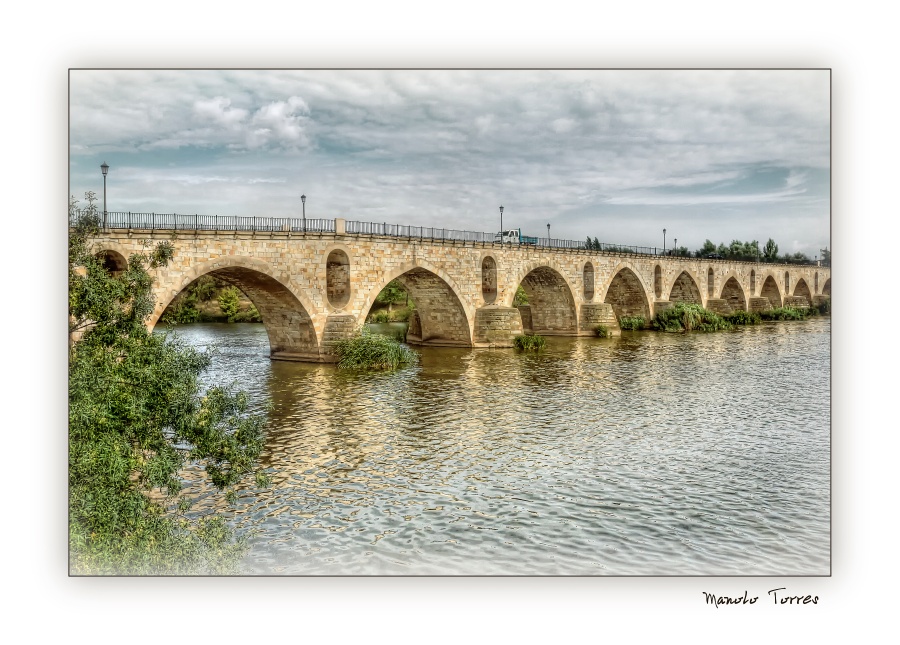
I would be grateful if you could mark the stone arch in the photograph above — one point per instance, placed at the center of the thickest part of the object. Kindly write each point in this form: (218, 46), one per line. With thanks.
(551, 302)
(587, 275)
(283, 308)
(710, 283)
(113, 261)
(801, 289)
(771, 291)
(657, 281)
(337, 278)
(488, 279)
(734, 294)
(627, 294)
(787, 282)
(441, 317)
(752, 282)
(826, 288)
(685, 289)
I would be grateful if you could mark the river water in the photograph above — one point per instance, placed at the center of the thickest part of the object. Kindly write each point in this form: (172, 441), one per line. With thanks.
(649, 454)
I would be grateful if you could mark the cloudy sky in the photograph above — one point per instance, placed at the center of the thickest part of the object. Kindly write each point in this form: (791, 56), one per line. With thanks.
(617, 155)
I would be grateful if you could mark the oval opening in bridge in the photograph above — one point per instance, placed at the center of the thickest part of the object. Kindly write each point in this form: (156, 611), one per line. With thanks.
(114, 263)
(657, 281)
(787, 282)
(588, 278)
(489, 280)
(710, 283)
(337, 279)
(752, 282)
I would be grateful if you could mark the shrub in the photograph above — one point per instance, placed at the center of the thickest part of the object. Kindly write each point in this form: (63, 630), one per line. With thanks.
(824, 307)
(251, 315)
(632, 323)
(784, 313)
(230, 302)
(689, 317)
(602, 331)
(379, 317)
(743, 318)
(529, 343)
(365, 350)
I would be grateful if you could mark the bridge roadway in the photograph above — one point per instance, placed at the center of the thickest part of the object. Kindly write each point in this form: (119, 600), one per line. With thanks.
(314, 288)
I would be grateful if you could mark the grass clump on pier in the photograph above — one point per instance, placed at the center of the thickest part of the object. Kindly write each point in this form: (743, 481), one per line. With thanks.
(684, 317)
(529, 343)
(602, 331)
(365, 350)
(632, 323)
(785, 313)
(741, 317)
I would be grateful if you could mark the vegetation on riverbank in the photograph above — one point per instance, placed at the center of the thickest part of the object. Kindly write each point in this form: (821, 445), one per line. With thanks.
(137, 416)
(209, 299)
(365, 350)
(529, 343)
(632, 323)
(384, 311)
(602, 331)
(684, 317)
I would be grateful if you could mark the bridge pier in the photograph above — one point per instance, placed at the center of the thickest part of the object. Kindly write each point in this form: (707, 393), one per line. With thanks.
(598, 313)
(758, 304)
(797, 302)
(718, 306)
(496, 326)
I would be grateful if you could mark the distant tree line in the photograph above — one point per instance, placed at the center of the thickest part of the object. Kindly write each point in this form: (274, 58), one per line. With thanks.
(737, 250)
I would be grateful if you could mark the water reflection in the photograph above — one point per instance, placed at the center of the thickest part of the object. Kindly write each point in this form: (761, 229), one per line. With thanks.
(646, 454)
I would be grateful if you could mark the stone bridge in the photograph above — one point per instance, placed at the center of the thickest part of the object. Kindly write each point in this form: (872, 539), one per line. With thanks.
(312, 289)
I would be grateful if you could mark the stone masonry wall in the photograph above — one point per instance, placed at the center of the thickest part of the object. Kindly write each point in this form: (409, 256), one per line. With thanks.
(289, 274)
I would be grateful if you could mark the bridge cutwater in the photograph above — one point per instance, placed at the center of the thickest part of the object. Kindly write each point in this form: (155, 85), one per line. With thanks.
(314, 281)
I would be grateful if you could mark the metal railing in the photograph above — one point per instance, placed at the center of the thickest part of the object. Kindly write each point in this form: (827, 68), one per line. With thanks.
(178, 222)
(453, 235)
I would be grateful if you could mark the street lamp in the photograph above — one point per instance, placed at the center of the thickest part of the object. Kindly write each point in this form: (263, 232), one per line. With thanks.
(548, 233)
(303, 199)
(104, 168)
(675, 248)
(664, 241)
(501, 225)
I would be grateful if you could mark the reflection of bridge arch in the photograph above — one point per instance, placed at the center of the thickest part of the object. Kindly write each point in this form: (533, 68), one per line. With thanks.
(550, 299)
(283, 308)
(733, 292)
(440, 316)
(686, 288)
(627, 293)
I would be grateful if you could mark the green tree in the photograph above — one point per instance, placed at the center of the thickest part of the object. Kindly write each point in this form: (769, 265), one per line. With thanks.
(136, 417)
(770, 251)
(394, 293)
(521, 298)
(230, 302)
(707, 248)
(597, 245)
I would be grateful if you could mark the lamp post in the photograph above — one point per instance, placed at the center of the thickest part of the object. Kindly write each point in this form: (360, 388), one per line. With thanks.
(104, 168)
(675, 248)
(548, 233)
(303, 199)
(664, 241)
(501, 225)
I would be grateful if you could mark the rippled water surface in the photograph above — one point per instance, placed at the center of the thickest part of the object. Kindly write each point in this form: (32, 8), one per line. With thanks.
(653, 454)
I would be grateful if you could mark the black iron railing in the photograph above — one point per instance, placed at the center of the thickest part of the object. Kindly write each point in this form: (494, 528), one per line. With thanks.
(180, 222)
